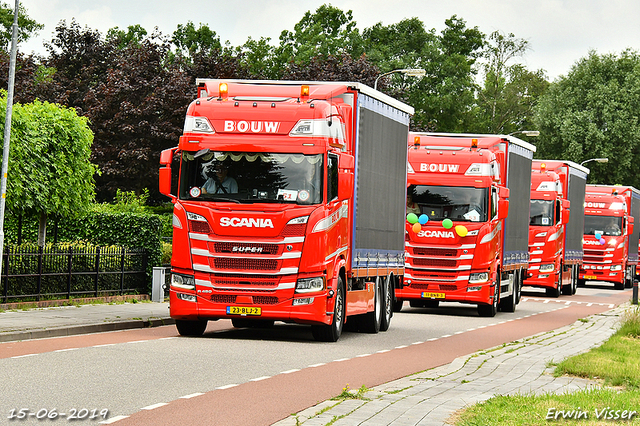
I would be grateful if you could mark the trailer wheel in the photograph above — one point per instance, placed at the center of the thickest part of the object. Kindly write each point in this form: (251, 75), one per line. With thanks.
(387, 303)
(332, 332)
(492, 309)
(574, 279)
(191, 328)
(371, 321)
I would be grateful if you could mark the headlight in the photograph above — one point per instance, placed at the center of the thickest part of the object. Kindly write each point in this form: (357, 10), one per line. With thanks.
(186, 282)
(308, 285)
(541, 234)
(479, 277)
(547, 268)
(616, 267)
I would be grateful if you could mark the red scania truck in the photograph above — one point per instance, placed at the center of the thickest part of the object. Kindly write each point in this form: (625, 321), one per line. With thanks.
(610, 237)
(468, 242)
(555, 235)
(289, 206)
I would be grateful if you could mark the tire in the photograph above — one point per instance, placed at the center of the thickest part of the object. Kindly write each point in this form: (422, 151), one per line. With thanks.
(567, 289)
(191, 328)
(397, 305)
(371, 321)
(387, 303)
(492, 309)
(582, 283)
(619, 286)
(555, 291)
(332, 332)
(574, 280)
(521, 274)
(508, 304)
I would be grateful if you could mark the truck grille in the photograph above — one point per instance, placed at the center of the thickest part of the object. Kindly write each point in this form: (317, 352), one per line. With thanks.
(594, 256)
(247, 249)
(265, 300)
(244, 280)
(445, 276)
(244, 264)
(223, 298)
(425, 251)
(443, 263)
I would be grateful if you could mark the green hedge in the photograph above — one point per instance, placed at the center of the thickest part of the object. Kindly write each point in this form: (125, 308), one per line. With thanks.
(103, 227)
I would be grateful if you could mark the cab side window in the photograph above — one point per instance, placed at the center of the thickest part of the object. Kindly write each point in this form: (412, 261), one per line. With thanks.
(332, 177)
(494, 203)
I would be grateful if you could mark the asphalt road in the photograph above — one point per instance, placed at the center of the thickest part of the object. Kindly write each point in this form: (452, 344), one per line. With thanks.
(246, 376)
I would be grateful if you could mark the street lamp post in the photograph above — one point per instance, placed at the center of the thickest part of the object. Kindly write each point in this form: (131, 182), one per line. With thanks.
(526, 133)
(412, 72)
(599, 160)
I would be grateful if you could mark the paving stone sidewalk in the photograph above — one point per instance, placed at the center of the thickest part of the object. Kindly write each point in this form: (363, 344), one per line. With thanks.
(71, 320)
(431, 397)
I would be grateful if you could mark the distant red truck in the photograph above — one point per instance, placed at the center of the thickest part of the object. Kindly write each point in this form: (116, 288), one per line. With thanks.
(610, 237)
(556, 225)
(468, 241)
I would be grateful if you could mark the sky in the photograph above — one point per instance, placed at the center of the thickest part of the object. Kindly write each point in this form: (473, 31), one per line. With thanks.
(559, 32)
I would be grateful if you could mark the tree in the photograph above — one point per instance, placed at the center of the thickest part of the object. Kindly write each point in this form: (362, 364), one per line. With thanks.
(444, 97)
(510, 92)
(49, 168)
(593, 112)
(27, 27)
(137, 110)
(327, 32)
(333, 68)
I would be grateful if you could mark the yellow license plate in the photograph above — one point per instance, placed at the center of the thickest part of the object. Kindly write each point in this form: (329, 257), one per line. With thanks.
(244, 310)
(427, 295)
(590, 277)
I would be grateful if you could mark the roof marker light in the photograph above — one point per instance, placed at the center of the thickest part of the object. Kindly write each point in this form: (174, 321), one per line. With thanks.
(474, 143)
(223, 89)
(416, 142)
(304, 91)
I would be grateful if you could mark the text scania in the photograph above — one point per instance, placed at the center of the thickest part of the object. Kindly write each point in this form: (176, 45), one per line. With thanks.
(251, 126)
(436, 234)
(442, 168)
(246, 222)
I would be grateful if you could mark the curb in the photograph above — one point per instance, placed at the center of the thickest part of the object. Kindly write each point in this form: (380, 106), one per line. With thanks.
(12, 336)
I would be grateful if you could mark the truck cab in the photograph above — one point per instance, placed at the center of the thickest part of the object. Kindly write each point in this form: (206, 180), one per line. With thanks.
(456, 247)
(549, 214)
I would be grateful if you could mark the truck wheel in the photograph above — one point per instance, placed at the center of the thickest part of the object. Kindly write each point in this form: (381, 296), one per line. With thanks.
(332, 332)
(387, 303)
(582, 283)
(619, 286)
(574, 279)
(555, 291)
(191, 328)
(492, 309)
(397, 305)
(371, 321)
(508, 304)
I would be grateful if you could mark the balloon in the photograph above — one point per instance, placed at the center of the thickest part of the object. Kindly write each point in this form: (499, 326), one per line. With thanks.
(412, 218)
(602, 241)
(447, 223)
(598, 235)
(423, 219)
(462, 230)
(417, 227)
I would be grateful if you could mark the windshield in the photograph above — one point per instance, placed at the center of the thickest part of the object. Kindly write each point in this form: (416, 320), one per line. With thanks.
(450, 202)
(605, 225)
(249, 177)
(541, 213)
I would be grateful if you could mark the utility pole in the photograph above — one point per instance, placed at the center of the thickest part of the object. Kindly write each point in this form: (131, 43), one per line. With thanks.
(7, 129)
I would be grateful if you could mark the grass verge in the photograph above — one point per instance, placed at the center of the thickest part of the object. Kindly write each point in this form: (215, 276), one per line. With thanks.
(616, 364)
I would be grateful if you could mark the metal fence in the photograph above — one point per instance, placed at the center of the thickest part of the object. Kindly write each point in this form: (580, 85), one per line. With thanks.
(36, 273)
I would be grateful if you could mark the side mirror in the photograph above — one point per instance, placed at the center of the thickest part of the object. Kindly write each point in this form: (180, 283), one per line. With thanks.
(566, 204)
(630, 225)
(345, 185)
(346, 165)
(503, 209)
(164, 178)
